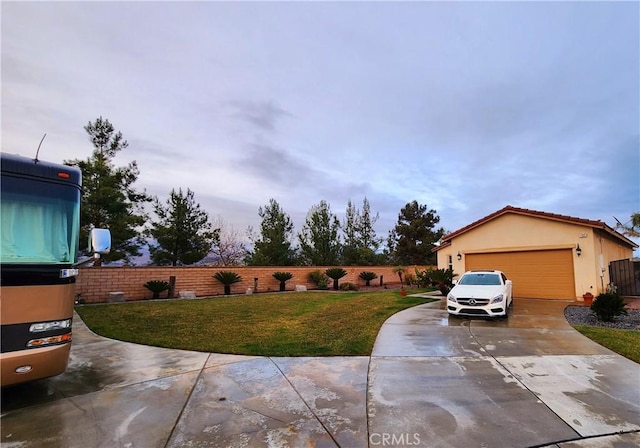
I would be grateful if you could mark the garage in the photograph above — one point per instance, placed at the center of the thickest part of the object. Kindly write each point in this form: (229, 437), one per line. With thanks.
(543, 274)
(547, 255)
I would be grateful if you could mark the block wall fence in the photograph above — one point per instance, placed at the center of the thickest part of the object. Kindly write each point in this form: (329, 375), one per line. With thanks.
(94, 283)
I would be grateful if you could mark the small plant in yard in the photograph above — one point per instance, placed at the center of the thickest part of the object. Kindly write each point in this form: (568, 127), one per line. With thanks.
(156, 287)
(400, 271)
(409, 278)
(442, 278)
(607, 306)
(282, 277)
(348, 286)
(422, 278)
(319, 278)
(227, 278)
(367, 276)
(336, 274)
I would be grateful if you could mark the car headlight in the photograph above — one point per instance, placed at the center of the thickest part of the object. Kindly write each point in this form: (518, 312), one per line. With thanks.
(497, 299)
(451, 298)
(48, 326)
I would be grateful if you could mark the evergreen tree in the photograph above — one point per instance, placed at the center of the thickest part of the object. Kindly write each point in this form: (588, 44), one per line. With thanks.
(183, 232)
(319, 240)
(370, 243)
(413, 237)
(360, 241)
(109, 199)
(273, 246)
(350, 230)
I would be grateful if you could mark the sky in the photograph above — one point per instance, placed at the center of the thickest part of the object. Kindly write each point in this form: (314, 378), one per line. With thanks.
(465, 107)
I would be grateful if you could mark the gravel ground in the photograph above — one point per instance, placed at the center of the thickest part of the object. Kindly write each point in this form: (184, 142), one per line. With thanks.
(582, 315)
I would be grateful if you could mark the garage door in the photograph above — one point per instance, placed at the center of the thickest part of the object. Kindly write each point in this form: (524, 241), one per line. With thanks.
(543, 274)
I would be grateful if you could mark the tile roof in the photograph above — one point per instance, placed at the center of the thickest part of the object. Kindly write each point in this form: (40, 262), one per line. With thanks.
(536, 214)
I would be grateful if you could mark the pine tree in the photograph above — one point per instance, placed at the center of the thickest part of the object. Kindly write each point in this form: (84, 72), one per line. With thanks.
(412, 239)
(273, 246)
(360, 241)
(370, 243)
(109, 199)
(183, 232)
(351, 230)
(319, 240)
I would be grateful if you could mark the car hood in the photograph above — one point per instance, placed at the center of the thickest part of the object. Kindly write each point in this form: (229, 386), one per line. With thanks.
(474, 291)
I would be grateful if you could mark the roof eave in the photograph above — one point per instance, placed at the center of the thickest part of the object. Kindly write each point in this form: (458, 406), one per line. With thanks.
(446, 239)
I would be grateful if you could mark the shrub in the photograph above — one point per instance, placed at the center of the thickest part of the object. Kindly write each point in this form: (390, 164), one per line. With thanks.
(422, 278)
(607, 306)
(156, 287)
(227, 278)
(368, 276)
(319, 278)
(409, 278)
(282, 277)
(336, 274)
(442, 278)
(348, 286)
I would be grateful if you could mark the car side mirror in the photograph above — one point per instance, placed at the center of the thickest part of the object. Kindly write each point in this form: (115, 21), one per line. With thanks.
(454, 282)
(100, 241)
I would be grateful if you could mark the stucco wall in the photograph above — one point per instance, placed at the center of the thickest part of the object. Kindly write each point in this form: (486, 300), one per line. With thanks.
(512, 232)
(611, 251)
(95, 283)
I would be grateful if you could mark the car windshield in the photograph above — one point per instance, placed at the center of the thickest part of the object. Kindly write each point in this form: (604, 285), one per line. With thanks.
(481, 279)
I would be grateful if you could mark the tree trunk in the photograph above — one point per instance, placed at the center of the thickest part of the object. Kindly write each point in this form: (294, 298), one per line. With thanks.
(335, 284)
(282, 286)
(227, 290)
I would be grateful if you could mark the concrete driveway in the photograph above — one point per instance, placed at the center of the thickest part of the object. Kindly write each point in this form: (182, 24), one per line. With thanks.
(431, 381)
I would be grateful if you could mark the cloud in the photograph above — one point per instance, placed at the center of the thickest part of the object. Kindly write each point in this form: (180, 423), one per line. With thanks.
(464, 107)
(263, 115)
(277, 166)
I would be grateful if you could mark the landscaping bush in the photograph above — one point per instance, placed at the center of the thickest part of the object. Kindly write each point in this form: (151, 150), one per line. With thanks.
(336, 274)
(409, 278)
(227, 278)
(441, 278)
(607, 306)
(282, 277)
(319, 278)
(422, 278)
(348, 286)
(368, 276)
(156, 287)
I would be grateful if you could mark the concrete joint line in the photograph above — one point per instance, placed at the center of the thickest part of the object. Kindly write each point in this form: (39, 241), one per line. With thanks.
(595, 436)
(366, 397)
(304, 401)
(490, 354)
(188, 399)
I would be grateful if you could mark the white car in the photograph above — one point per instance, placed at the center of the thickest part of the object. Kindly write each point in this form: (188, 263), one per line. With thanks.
(480, 293)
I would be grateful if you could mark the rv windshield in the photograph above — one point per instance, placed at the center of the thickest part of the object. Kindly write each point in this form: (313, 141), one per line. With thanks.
(38, 222)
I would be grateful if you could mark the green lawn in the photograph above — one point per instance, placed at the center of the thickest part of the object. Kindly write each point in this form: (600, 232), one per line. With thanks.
(623, 342)
(289, 324)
